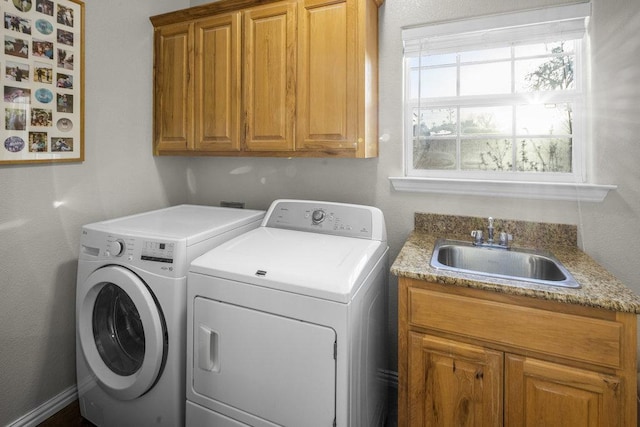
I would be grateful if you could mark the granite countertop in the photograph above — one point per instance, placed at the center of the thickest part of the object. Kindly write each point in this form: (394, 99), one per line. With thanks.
(599, 288)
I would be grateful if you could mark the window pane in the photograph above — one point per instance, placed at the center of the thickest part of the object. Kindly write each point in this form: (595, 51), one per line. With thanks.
(485, 79)
(544, 155)
(434, 122)
(544, 74)
(486, 154)
(506, 111)
(486, 55)
(486, 120)
(430, 60)
(414, 84)
(438, 82)
(434, 154)
(544, 48)
(548, 119)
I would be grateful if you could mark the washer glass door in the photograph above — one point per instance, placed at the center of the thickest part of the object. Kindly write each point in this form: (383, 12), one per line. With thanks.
(122, 332)
(118, 330)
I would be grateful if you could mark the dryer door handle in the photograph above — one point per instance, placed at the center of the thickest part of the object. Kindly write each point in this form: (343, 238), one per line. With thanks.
(208, 342)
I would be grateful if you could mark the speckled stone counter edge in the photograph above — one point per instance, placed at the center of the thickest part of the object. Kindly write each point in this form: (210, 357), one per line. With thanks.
(600, 289)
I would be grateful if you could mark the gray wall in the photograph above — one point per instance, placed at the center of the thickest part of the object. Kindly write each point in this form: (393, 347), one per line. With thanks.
(43, 207)
(120, 176)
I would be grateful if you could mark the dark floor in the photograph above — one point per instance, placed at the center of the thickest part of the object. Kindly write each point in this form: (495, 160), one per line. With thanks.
(67, 417)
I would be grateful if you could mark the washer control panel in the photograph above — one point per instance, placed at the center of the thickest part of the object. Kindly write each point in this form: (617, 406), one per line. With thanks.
(157, 251)
(163, 257)
(328, 218)
(318, 216)
(132, 249)
(116, 247)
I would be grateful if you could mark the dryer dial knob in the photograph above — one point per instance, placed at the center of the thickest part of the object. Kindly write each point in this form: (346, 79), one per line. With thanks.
(318, 216)
(116, 248)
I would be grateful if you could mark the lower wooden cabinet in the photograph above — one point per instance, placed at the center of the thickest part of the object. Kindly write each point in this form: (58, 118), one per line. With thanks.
(539, 393)
(476, 358)
(453, 384)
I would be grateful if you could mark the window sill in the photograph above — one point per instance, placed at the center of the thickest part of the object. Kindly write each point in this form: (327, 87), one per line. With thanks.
(513, 189)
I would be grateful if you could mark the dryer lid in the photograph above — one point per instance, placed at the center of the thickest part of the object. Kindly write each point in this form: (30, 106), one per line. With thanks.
(193, 223)
(318, 265)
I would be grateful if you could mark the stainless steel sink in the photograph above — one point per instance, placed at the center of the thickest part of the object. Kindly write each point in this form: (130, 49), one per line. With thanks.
(515, 264)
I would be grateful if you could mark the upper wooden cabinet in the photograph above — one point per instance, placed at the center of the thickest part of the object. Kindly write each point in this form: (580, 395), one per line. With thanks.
(337, 98)
(173, 107)
(217, 74)
(267, 78)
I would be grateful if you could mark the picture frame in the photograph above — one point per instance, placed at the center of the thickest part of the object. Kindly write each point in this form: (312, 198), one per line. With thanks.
(42, 79)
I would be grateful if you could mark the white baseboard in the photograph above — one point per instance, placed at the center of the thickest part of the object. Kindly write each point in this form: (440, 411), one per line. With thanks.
(47, 409)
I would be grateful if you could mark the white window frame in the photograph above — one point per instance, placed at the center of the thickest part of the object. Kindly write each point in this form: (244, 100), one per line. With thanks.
(539, 25)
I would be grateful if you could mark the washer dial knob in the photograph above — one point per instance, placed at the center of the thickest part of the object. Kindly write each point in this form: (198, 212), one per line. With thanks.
(116, 248)
(318, 216)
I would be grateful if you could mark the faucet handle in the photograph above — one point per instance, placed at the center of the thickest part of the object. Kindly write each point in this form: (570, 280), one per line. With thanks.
(477, 235)
(505, 238)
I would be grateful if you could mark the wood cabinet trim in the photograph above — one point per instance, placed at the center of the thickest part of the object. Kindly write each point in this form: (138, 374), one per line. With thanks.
(524, 301)
(564, 335)
(205, 11)
(214, 8)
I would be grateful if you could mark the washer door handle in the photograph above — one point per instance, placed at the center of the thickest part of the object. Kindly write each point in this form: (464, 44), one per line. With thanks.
(208, 342)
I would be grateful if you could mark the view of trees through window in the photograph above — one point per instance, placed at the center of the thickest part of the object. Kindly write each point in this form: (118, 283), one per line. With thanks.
(505, 109)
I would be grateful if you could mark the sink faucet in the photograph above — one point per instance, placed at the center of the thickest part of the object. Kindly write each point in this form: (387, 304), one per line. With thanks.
(504, 240)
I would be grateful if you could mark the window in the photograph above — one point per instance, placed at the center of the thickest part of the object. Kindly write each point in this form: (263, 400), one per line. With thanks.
(498, 98)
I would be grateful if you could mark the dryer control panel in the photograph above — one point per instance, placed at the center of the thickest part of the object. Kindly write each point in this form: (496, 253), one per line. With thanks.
(339, 219)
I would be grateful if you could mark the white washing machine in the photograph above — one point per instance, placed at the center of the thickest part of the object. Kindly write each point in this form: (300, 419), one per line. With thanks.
(286, 323)
(131, 310)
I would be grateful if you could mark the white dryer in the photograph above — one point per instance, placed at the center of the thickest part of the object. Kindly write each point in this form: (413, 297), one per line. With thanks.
(286, 323)
(131, 310)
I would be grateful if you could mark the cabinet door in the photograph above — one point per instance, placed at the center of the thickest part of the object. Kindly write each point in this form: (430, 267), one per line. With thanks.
(217, 85)
(328, 80)
(269, 77)
(453, 384)
(173, 73)
(539, 393)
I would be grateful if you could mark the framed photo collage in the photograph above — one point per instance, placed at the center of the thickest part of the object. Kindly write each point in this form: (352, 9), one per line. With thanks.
(41, 70)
